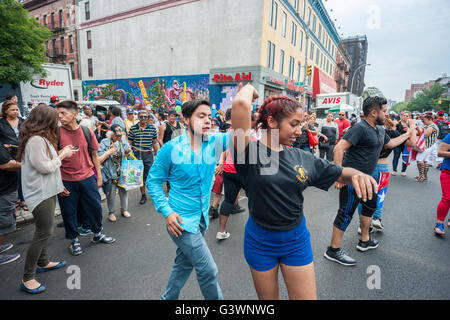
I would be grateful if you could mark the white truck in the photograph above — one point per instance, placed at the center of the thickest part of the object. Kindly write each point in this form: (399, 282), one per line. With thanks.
(329, 100)
(58, 82)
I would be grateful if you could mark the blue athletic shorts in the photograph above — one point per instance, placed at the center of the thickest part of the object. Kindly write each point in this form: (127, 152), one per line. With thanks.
(264, 249)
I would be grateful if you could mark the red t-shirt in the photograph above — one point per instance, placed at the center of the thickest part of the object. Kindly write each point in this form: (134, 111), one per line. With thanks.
(342, 125)
(79, 166)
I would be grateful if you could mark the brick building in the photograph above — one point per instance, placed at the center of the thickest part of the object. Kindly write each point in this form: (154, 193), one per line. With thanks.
(416, 88)
(343, 67)
(59, 16)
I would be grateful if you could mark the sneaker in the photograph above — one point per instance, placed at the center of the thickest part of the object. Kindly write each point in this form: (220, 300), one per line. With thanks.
(75, 248)
(371, 230)
(376, 223)
(439, 229)
(339, 256)
(4, 259)
(213, 213)
(143, 199)
(103, 239)
(222, 235)
(237, 209)
(5, 247)
(367, 245)
(84, 232)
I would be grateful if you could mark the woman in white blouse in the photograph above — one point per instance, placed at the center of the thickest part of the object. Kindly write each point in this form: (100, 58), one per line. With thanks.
(41, 182)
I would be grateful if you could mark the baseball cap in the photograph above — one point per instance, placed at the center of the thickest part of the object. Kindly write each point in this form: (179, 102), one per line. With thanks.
(130, 111)
(29, 104)
(173, 111)
(54, 98)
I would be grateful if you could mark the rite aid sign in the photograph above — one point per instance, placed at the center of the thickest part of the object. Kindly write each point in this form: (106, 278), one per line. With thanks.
(233, 78)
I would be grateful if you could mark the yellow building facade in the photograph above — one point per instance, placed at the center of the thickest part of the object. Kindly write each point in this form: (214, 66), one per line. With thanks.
(297, 33)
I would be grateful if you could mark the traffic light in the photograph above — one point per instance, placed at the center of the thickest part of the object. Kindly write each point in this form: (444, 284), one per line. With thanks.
(308, 70)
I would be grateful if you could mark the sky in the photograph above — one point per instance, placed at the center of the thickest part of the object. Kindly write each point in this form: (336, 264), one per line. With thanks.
(408, 40)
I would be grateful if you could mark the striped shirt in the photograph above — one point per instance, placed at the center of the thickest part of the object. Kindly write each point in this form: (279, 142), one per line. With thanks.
(432, 137)
(142, 139)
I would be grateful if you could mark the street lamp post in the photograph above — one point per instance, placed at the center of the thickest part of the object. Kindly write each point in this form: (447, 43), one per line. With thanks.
(351, 85)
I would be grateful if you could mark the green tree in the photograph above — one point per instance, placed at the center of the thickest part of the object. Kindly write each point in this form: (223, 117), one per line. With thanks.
(428, 99)
(22, 39)
(157, 95)
(400, 106)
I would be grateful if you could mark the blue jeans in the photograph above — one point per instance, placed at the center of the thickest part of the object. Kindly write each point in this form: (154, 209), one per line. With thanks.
(85, 191)
(376, 175)
(398, 155)
(193, 252)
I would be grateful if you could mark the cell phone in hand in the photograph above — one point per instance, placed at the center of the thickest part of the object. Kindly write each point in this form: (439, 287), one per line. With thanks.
(75, 147)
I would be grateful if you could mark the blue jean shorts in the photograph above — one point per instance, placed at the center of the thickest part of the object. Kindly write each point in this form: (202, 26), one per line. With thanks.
(264, 249)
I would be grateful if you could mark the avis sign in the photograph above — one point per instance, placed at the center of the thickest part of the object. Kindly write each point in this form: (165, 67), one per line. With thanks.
(331, 101)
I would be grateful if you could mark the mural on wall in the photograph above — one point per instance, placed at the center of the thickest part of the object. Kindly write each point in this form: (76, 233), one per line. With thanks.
(133, 92)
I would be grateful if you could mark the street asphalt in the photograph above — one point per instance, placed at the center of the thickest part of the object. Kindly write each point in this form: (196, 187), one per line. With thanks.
(413, 263)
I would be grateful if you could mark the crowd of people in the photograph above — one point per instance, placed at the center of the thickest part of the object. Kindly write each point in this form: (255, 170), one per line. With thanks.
(65, 154)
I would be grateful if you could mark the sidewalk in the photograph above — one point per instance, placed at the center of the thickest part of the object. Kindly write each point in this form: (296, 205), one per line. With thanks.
(25, 217)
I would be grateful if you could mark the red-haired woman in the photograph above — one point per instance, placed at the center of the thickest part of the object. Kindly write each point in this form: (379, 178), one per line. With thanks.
(41, 182)
(275, 177)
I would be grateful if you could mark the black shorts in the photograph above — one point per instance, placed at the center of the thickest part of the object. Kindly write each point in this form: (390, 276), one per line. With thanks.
(348, 202)
(232, 184)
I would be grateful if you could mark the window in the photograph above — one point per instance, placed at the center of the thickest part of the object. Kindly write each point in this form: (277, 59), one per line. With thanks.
(72, 69)
(90, 69)
(45, 20)
(62, 45)
(309, 16)
(75, 94)
(55, 50)
(317, 56)
(320, 31)
(296, 4)
(298, 71)
(294, 34)
(314, 24)
(311, 49)
(89, 41)
(283, 30)
(321, 61)
(71, 43)
(301, 40)
(270, 55)
(273, 14)
(327, 65)
(46, 47)
(281, 61)
(87, 10)
(53, 20)
(68, 17)
(333, 52)
(291, 67)
(303, 9)
(60, 19)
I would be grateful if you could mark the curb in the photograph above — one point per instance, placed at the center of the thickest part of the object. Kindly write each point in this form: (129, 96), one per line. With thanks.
(26, 217)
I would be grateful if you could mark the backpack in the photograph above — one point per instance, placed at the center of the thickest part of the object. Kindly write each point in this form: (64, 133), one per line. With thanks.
(87, 135)
(443, 129)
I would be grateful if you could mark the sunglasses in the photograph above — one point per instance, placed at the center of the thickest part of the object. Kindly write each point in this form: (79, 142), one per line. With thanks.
(143, 117)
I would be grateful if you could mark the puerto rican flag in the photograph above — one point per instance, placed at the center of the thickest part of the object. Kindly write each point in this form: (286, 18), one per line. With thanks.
(406, 155)
(383, 184)
(420, 145)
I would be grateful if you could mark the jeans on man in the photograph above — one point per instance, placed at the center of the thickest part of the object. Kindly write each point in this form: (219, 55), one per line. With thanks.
(193, 252)
(87, 191)
(147, 159)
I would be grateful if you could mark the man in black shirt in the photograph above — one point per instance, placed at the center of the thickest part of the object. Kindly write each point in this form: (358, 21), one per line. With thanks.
(8, 195)
(362, 145)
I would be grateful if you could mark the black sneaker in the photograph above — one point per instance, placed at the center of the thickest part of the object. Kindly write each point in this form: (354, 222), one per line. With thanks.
(339, 256)
(237, 209)
(143, 199)
(213, 213)
(367, 245)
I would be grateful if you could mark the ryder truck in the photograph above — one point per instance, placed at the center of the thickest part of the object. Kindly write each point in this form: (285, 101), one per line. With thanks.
(58, 82)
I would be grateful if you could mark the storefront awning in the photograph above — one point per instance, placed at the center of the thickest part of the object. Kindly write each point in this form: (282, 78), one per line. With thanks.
(323, 83)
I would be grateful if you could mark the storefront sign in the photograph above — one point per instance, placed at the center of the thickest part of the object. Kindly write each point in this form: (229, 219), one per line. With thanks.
(293, 86)
(229, 78)
(277, 81)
